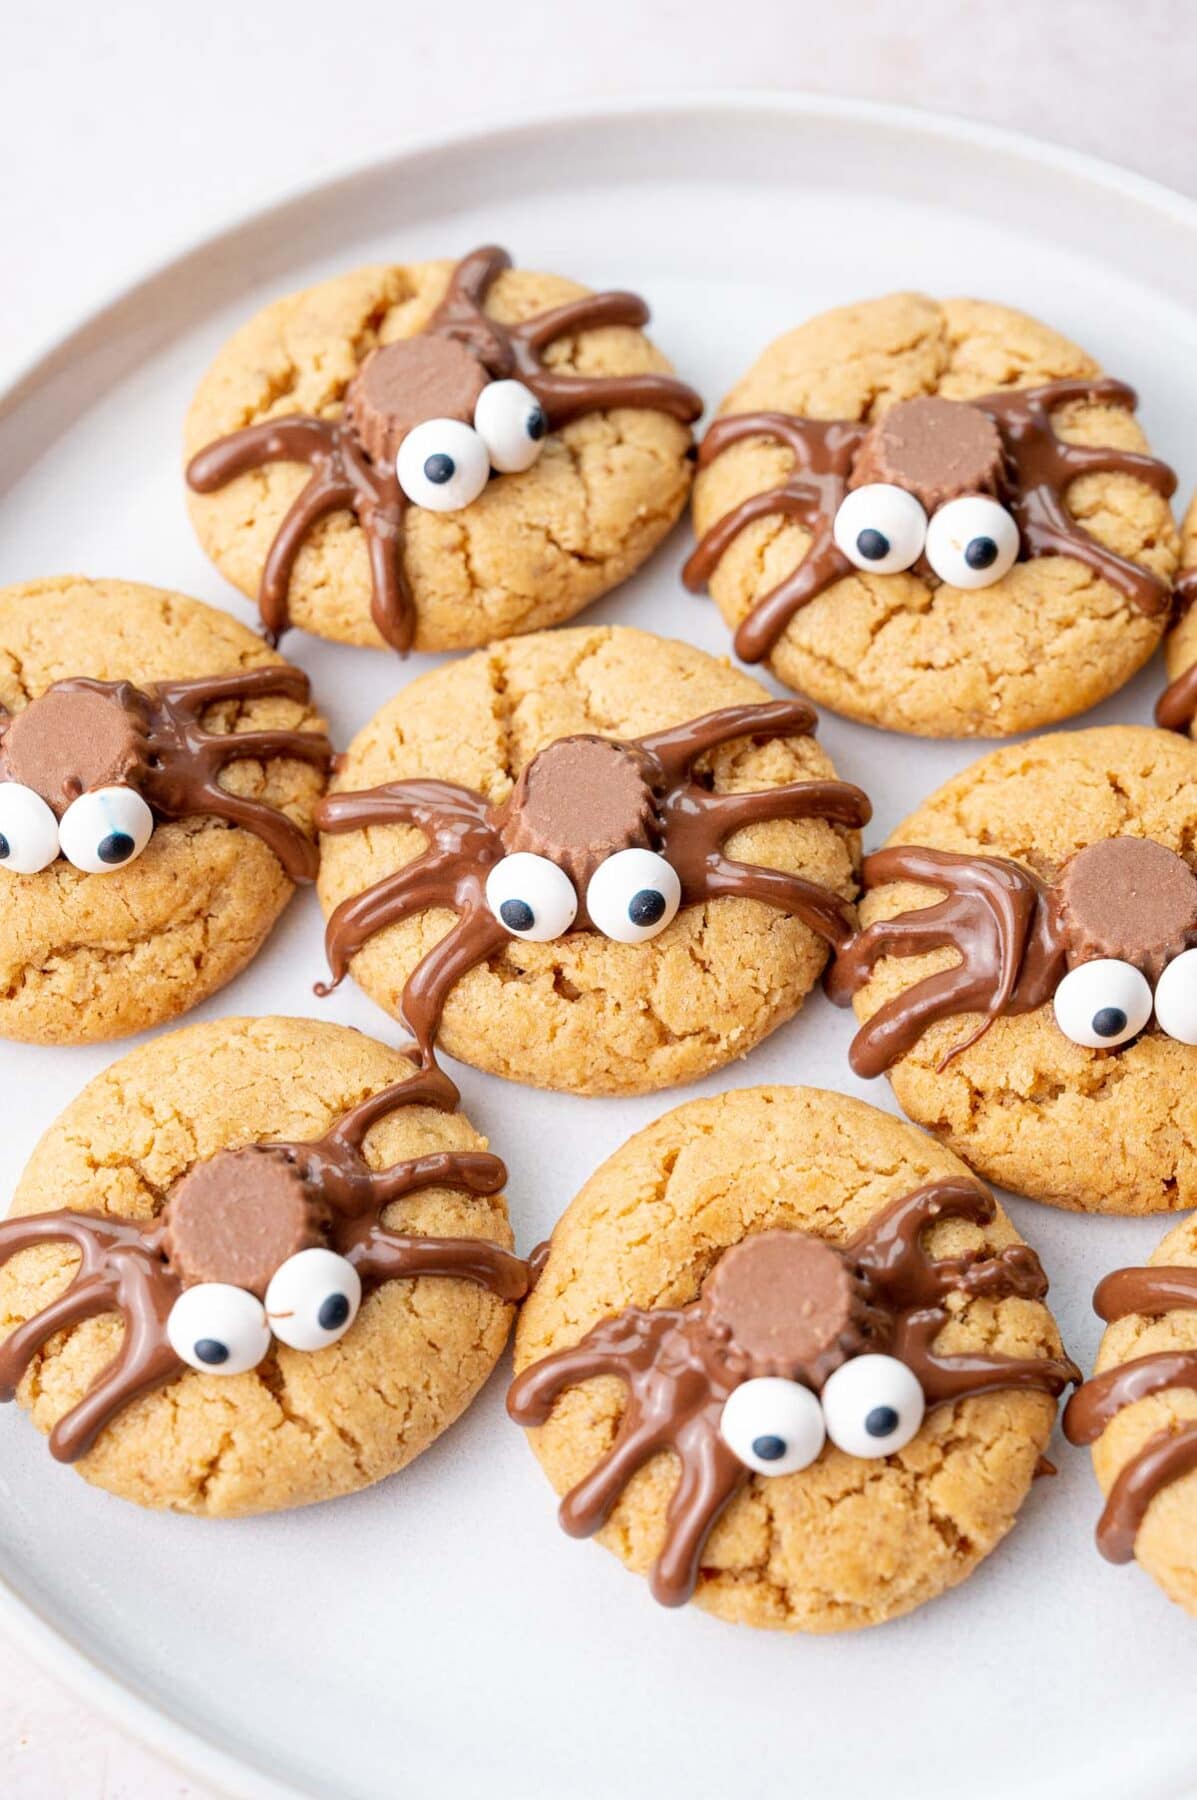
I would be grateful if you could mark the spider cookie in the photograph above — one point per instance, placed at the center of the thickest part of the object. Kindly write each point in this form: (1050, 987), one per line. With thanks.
(1139, 1412)
(1176, 708)
(257, 1263)
(158, 768)
(1026, 971)
(937, 517)
(589, 860)
(438, 454)
(788, 1358)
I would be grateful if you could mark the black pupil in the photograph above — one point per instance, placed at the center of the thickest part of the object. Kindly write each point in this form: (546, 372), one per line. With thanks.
(440, 468)
(881, 1421)
(517, 915)
(1109, 1021)
(535, 424)
(646, 907)
(211, 1350)
(333, 1312)
(117, 847)
(5, 848)
(768, 1448)
(980, 552)
(872, 544)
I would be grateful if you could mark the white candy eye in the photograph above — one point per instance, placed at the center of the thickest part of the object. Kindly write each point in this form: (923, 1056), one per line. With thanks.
(972, 542)
(1101, 1004)
(774, 1426)
(105, 830)
(218, 1329)
(1176, 998)
(511, 423)
(442, 465)
(28, 830)
(881, 528)
(873, 1405)
(633, 895)
(313, 1299)
(531, 897)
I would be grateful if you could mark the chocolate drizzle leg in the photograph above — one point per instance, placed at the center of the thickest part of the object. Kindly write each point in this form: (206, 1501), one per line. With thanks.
(398, 386)
(577, 802)
(780, 1303)
(1176, 707)
(82, 735)
(235, 1219)
(1167, 1455)
(831, 457)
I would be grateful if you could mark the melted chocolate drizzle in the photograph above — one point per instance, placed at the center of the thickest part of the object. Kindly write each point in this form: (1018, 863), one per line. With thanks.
(1176, 707)
(680, 1364)
(1167, 1455)
(126, 1265)
(346, 478)
(175, 763)
(1040, 468)
(467, 837)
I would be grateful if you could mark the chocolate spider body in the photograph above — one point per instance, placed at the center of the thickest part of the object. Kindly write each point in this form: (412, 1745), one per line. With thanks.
(987, 478)
(778, 1318)
(87, 766)
(1120, 919)
(621, 830)
(1167, 1455)
(440, 375)
(229, 1259)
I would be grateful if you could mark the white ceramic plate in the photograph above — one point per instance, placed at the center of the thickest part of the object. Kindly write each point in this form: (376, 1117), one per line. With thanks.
(439, 1634)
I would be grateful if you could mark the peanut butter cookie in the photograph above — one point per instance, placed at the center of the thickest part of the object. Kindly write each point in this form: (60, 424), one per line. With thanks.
(256, 1263)
(158, 769)
(936, 517)
(1177, 706)
(788, 1357)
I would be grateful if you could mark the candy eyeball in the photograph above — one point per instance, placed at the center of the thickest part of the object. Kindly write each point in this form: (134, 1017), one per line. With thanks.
(28, 830)
(218, 1329)
(442, 465)
(106, 829)
(531, 897)
(972, 542)
(313, 1299)
(633, 896)
(873, 1405)
(511, 423)
(774, 1426)
(881, 528)
(1103, 1003)
(1176, 998)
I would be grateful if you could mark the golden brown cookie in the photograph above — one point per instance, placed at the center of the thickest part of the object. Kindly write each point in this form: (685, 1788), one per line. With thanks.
(912, 649)
(769, 1242)
(162, 1152)
(91, 952)
(1139, 1411)
(608, 468)
(1177, 707)
(576, 1009)
(1042, 1019)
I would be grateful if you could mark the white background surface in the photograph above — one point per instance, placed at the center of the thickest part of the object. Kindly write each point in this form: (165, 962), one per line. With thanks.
(128, 130)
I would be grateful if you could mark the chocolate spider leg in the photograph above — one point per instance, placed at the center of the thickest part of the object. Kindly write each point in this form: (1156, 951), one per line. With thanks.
(890, 1250)
(790, 502)
(613, 307)
(322, 495)
(945, 1379)
(837, 802)
(565, 397)
(1049, 528)
(1164, 1458)
(711, 1476)
(822, 911)
(295, 850)
(618, 1345)
(430, 880)
(379, 1255)
(591, 1501)
(473, 1171)
(263, 746)
(425, 1087)
(681, 745)
(1090, 1411)
(1121, 1292)
(424, 803)
(144, 1362)
(191, 698)
(476, 936)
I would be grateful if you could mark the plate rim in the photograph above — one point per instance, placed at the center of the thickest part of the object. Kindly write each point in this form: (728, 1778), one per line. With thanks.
(186, 1746)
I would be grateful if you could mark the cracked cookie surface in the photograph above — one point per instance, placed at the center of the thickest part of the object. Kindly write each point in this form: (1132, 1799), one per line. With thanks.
(583, 1013)
(84, 958)
(1092, 1131)
(846, 1542)
(1048, 640)
(1166, 1543)
(532, 550)
(302, 1426)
